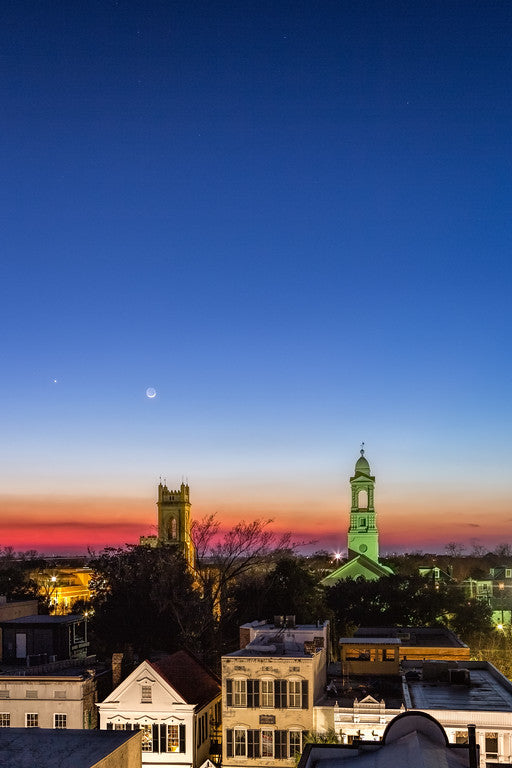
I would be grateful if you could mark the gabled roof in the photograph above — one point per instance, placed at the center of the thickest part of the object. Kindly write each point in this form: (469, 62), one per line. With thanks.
(189, 677)
(361, 565)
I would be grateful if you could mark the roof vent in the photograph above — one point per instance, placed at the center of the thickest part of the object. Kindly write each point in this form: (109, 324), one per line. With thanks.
(459, 677)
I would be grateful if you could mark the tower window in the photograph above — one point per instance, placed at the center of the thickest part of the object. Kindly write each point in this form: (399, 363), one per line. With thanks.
(174, 528)
(362, 499)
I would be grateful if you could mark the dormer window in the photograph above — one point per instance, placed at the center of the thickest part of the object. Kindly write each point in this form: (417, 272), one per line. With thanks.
(145, 694)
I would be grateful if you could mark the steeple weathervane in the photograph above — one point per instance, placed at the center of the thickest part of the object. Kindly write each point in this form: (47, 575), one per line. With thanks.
(362, 449)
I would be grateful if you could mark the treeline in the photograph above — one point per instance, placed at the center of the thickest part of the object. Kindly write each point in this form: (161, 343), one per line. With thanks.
(147, 600)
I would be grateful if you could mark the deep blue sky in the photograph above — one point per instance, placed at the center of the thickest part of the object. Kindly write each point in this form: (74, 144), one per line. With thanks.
(293, 219)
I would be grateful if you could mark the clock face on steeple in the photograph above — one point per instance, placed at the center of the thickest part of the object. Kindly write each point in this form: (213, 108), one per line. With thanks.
(363, 548)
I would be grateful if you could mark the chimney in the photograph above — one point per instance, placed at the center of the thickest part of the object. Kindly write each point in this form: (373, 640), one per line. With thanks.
(473, 749)
(117, 669)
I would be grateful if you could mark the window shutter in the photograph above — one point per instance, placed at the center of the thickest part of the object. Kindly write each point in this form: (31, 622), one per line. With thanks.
(163, 737)
(229, 742)
(155, 737)
(129, 726)
(253, 743)
(280, 694)
(109, 727)
(280, 747)
(305, 694)
(182, 738)
(229, 693)
(253, 693)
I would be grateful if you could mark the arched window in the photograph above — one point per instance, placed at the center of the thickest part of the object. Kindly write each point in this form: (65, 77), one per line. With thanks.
(174, 528)
(362, 499)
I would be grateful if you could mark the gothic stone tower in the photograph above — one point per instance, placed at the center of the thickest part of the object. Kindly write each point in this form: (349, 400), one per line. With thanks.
(174, 519)
(363, 536)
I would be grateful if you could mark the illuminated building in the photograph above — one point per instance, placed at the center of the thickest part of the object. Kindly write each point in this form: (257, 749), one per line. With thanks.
(363, 534)
(175, 703)
(173, 521)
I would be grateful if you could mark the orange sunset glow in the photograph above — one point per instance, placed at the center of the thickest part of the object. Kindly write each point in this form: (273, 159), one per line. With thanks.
(64, 524)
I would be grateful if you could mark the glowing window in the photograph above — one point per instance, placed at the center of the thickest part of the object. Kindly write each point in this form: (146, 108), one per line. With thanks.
(173, 738)
(147, 738)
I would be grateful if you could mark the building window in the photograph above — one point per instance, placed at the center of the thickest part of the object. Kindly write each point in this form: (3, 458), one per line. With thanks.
(294, 694)
(4, 693)
(145, 694)
(461, 737)
(508, 573)
(173, 738)
(239, 693)
(60, 721)
(267, 743)
(295, 743)
(59, 694)
(267, 693)
(31, 694)
(174, 529)
(491, 744)
(120, 727)
(147, 738)
(32, 720)
(5, 720)
(240, 742)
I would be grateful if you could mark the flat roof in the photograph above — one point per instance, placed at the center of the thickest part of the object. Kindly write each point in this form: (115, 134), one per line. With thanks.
(370, 641)
(13, 673)
(277, 650)
(382, 687)
(267, 626)
(488, 690)
(429, 637)
(43, 619)
(67, 748)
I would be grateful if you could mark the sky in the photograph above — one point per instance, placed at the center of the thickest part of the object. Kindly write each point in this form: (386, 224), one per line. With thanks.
(293, 221)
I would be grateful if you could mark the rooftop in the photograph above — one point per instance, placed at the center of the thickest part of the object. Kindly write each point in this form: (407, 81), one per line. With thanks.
(358, 687)
(44, 619)
(189, 677)
(47, 748)
(374, 640)
(486, 689)
(66, 668)
(267, 626)
(411, 738)
(427, 637)
(280, 643)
